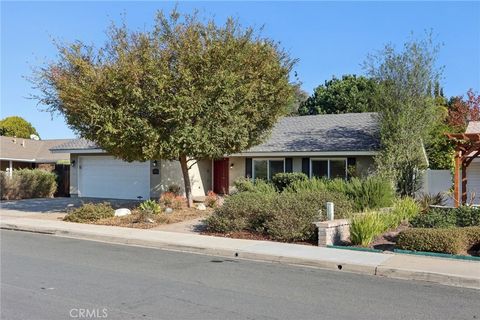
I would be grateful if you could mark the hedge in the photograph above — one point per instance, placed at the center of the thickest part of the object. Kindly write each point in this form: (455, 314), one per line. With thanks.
(441, 240)
(448, 217)
(27, 183)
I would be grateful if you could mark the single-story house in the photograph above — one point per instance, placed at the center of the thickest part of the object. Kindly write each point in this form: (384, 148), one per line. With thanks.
(19, 153)
(331, 146)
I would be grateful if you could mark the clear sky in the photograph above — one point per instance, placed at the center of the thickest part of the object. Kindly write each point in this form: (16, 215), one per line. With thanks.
(328, 38)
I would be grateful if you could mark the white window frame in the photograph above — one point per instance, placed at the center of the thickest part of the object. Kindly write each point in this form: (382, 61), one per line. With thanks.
(268, 165)
(328, 166)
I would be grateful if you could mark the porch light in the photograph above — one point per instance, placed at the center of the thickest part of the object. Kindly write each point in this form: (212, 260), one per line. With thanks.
(155, 163)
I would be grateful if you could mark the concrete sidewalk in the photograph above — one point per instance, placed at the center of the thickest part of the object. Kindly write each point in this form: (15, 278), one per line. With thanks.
(444, 271)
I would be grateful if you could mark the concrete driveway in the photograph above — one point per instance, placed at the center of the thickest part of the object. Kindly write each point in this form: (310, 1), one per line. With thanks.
(53, 208)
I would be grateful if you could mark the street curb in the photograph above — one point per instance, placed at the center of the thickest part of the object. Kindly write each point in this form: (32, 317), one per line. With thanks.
(408, 274)
(379, 270)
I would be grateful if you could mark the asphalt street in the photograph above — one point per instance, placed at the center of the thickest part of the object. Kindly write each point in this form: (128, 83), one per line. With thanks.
(48, 277)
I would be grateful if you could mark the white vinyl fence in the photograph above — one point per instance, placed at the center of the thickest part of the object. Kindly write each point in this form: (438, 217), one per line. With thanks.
(438, 181)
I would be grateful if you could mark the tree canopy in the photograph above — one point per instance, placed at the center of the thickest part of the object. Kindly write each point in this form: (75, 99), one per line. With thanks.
(408, 108)
(351, 93)
(187, 89)
(15, 126)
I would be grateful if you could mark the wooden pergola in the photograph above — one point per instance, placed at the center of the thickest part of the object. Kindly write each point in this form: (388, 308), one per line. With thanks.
(467, 148)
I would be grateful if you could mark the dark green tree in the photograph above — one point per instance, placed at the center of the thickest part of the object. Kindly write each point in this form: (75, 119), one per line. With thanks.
(16, 127)
(186, 90)
(350, 94)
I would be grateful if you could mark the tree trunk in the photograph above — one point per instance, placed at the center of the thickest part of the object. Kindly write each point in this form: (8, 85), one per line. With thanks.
(186, 179)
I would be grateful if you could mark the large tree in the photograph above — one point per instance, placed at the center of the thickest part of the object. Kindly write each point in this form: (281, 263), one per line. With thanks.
(351, 93)
(462, 110)
(407, 108)
(186, 90)
(15, 126)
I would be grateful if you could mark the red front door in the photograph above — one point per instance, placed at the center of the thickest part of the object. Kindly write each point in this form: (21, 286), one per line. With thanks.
(220, 176)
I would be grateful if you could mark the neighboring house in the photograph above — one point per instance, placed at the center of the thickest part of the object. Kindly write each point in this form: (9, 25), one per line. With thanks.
(330, 146)
(19, 153)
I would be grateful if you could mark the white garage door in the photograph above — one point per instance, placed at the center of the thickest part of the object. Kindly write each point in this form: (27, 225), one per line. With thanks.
(107, 177)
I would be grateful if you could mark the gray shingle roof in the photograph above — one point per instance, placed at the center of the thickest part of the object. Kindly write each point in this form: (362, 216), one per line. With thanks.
(319, 133)
(76, 144)
(473, 127)
(31, 150)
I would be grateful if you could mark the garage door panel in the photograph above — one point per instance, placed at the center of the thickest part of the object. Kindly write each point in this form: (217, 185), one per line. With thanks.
(107, 177)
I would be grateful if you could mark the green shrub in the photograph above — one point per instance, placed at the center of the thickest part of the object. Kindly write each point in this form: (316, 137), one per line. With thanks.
(442, 240)
(27, 183)
(313, 184)
(284, 180)
(242, 211)
(150, 206)
(370, 193)
(295, 212)
(425, 200)
(90, 212)
(286, 216)
(467, 216)
(405, 208)
(448, 217)
(365, 227)
(249, 185)
(434, 219)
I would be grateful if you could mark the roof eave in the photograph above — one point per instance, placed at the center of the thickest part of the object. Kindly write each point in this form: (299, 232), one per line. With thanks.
(77, 151)
(306, 153)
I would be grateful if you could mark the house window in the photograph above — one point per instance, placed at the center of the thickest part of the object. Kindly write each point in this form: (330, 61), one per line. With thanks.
(328, 168)
(266, 168)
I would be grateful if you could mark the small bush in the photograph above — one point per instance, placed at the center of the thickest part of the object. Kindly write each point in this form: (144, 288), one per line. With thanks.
(425, 200)
(442, 240)
(448, 217)
(365, 227)
(211, 200)
(249, 185)
(467, 216)
(170, 200)
(295, 212)
(434, 219)
(27, 183)
(90, 212)
(150, 206)
(371, 193)
(242, 211)
(284, 180)
(406, 208)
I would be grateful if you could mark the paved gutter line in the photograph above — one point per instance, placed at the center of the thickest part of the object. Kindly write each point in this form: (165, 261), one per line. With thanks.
(250, 252)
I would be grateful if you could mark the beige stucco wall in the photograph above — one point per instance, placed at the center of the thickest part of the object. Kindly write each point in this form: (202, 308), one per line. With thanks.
(171, 173)
(236, 170)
